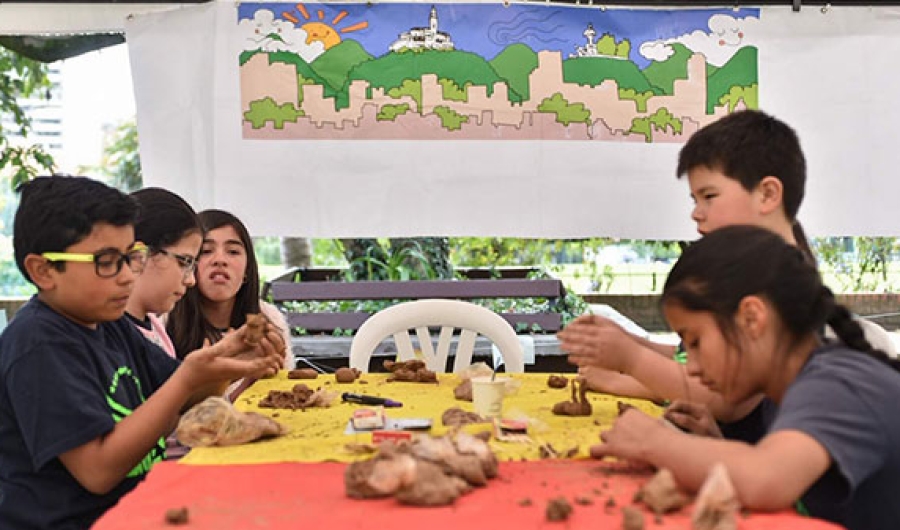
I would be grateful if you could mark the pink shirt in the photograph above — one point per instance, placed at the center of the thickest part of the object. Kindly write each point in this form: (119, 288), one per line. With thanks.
(157, 334)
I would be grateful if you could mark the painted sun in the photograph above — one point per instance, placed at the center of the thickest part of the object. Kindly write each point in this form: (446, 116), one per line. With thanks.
(320, 30)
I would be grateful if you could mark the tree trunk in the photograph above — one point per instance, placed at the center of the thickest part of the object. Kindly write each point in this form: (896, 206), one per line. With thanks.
(296, 252)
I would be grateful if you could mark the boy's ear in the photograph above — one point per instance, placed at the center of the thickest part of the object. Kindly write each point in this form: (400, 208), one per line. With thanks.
(771, 192)
(752, 316)
(40, 271)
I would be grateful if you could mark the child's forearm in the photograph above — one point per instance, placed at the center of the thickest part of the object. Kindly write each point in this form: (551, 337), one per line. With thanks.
(665, 350)
(103, 463)
(764, 479)
(669, 380)
(212, 389)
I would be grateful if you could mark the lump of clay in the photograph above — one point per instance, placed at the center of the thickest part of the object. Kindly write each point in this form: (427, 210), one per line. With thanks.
(470, 444)
(303, 373)
(716, 507)
(346, 375)
(428, 471)
(632, 518)
(579, 406)
(661, 493)
(557, 381)
(413, 371)
(463, 391)
(457, 417)
(558, 509)
(300, 397)
(215, 421)
(431, 486)
(256, 328)
(382, 476)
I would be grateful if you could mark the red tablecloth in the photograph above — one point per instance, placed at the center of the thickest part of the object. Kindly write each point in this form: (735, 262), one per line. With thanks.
(294, 495)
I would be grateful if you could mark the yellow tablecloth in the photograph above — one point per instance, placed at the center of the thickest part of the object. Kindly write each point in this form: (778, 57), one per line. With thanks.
(318, 434)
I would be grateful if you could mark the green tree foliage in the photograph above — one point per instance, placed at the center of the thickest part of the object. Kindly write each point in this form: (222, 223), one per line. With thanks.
(451, 91)
(860, 264)
(748, 94)
(411, 88)
(740, 70)
(639, 98)
(566, 112)
(623, 49)
(302, 80)
(266, 110)
(121, 161)
(514, 65)
(500, 251)
(21, 78)
(394, 69)
(592, 71)
(390, 112)
(450, 119)
(661, 120)
(663, 74)
(399, 259)
(606, 45)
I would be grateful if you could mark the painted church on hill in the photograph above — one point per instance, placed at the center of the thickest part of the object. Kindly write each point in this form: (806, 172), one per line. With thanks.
(424, 38)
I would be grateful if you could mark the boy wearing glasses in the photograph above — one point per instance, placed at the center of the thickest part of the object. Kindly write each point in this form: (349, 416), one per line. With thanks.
(85, 401)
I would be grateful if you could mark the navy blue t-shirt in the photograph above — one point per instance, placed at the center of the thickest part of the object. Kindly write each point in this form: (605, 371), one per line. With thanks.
(850, 403)
(61, 386)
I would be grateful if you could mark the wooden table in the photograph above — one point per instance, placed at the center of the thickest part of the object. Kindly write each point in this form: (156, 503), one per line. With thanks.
(297, 481)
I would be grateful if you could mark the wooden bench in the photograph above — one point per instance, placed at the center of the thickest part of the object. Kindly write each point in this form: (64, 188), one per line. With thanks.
(321, 285)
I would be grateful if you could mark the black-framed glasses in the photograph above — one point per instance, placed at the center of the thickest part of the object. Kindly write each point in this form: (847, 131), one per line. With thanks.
(187, 263)
(107, 262)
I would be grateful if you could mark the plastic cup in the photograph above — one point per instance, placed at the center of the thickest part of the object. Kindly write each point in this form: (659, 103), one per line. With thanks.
(487, 396)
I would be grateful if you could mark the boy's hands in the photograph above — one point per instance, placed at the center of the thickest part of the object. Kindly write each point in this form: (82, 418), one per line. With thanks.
(630, 436)
(694, 418)
(233, 357)
(593, 340)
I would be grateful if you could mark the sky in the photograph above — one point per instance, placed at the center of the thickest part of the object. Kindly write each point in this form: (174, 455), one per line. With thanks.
(97, 91)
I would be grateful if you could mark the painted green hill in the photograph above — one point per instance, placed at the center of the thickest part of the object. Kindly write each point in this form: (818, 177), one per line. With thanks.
(741, 70)
(662, 74)
(592, 71)
(303, 67)
(514, 64)
(390, 70)
(336, 63)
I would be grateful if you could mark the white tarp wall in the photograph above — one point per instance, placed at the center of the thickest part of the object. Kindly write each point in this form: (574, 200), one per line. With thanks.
(831, 74)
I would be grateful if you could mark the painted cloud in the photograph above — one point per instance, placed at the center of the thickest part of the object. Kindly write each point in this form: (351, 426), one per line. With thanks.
(265, 33)
(727, 35)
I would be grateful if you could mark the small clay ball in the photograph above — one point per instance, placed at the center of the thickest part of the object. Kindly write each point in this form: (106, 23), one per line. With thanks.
(177, 515)
(346, 375)
(558, 509)
(557, 381)
(303, 373)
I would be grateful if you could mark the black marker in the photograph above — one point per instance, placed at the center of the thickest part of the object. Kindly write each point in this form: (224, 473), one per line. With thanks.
(350, 397)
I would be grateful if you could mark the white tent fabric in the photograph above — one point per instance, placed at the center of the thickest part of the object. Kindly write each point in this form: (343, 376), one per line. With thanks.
(832, 75)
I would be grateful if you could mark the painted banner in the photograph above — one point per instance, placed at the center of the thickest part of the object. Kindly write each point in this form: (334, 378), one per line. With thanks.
(490, 119)
(489, 72)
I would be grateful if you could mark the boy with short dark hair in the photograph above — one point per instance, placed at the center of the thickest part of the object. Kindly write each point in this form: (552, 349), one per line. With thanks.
(85, 400)
(747, 168)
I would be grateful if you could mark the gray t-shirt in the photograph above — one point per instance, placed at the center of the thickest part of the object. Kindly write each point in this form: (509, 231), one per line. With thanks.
(850, 403)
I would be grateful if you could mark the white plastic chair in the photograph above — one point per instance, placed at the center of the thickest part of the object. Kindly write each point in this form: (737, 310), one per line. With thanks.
(450, 315)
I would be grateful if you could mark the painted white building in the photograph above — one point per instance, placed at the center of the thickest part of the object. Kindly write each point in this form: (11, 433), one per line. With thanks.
(424, 38)
(589, 49)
